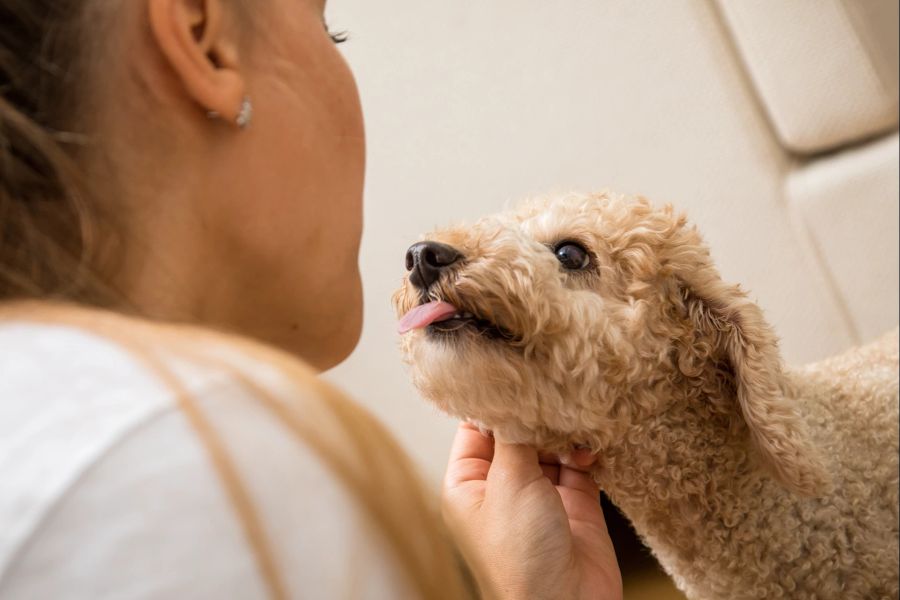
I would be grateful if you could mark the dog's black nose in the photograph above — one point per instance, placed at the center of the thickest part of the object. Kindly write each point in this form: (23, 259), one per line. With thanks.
(427, 260)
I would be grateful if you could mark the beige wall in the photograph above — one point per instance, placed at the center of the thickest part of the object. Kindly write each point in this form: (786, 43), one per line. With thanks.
(474, 103)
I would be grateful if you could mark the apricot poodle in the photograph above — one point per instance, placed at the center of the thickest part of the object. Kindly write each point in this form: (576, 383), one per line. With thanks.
(600, 321)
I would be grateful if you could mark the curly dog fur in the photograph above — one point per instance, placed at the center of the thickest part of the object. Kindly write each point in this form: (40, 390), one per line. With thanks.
(747, 479)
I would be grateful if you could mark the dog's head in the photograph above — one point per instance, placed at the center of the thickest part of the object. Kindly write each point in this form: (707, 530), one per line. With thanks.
(569, 320)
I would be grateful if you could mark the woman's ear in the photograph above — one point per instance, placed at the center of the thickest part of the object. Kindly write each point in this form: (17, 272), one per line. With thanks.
(202, 52)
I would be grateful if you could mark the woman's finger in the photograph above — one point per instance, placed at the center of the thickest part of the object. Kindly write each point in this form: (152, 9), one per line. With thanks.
(548, 459)
(471, 443)
(470, 457)
(551, 472)
(583, 458)
(515, 462)
(578, 480)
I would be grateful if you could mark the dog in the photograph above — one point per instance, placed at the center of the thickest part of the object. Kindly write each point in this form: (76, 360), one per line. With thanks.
(600, 321)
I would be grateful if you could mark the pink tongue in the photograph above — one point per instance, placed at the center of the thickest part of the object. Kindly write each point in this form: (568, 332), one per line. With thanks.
(425, 315)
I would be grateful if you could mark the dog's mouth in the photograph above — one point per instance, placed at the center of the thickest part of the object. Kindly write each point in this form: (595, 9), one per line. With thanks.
(440, 318)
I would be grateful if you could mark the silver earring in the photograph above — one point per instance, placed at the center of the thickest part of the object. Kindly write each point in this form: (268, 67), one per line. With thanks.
(245, 115)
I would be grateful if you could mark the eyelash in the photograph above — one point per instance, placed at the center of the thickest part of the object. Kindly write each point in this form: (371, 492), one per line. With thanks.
(338, 37)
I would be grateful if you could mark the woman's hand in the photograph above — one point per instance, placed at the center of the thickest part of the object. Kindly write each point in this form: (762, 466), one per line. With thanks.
(536, 530)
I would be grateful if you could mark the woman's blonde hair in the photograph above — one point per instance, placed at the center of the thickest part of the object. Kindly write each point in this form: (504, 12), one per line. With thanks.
(47, 252)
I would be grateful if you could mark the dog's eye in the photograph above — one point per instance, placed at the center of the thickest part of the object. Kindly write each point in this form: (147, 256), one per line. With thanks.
(572, 256)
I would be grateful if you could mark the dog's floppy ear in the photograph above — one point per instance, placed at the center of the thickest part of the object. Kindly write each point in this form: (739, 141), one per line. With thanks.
(728, 326)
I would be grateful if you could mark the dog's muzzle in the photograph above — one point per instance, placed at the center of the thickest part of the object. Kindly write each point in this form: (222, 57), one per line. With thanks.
(426, 261)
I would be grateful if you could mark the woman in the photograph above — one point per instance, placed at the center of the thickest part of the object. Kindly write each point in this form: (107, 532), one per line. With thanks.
(171, 170)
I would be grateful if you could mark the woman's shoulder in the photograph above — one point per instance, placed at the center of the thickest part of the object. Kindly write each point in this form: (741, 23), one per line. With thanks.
(49, 351)
(115, 438)
(70, 390)
(53, 355)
